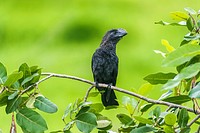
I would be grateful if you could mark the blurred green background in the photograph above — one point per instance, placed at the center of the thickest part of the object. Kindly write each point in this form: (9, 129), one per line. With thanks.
(60, 36)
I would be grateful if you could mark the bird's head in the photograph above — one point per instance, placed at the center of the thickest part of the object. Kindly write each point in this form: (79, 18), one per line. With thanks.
(113, 36)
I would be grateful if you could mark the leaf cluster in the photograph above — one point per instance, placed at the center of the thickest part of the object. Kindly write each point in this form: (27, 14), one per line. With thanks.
(183, 85)
(86, 116)
(20, 94)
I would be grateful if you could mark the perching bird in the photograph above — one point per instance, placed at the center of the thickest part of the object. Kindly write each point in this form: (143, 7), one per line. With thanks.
(105, 65)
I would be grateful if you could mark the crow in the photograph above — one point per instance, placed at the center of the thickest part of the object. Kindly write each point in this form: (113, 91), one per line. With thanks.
(105, 65)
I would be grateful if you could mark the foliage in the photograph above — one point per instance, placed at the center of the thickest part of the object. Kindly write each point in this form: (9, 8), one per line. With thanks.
(20, 94)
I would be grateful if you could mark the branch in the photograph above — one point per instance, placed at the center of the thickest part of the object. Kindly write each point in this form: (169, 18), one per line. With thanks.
(36, 84)
(149, 100)
(87, 93)
(194, 120)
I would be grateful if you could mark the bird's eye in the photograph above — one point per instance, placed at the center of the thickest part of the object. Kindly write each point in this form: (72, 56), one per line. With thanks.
(113, 33)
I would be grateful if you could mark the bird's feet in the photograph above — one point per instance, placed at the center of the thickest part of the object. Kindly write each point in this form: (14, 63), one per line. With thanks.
(109, 86)
(96, 84)
(99, 88)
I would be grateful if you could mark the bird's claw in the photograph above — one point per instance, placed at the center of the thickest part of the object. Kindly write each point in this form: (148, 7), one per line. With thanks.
(109, 86)
(96, 84)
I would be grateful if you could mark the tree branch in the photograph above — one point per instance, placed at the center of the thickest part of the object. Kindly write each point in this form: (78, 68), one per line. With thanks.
(87, 93)
(149, 100)
(193, 121)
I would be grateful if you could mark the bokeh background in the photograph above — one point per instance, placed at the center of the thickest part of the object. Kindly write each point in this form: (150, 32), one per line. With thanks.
(60, 36)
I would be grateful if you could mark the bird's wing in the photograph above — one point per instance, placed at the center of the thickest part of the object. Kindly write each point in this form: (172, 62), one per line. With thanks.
(96, 65)
(115, 72)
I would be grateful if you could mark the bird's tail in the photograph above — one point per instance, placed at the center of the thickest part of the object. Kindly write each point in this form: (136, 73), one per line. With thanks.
(109, 98)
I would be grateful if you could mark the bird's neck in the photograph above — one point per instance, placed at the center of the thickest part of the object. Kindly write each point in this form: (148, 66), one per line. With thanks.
(110, 46)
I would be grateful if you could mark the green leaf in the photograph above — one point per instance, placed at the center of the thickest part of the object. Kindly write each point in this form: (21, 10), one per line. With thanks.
(185, 130)
(190, 10)
(31, 121)
(129, 103)
(93, 94)
(29, 78)
(84, 104)
(170, 119)
(68, 126)
(181, 23)
(178, 99)
(165, 95)
(104, 124)
(30, 103)
(191, 37)
(67, 131)
(197, 122)
(143, 120)
(183, 118)
(159, 78)
(3, 73)
(186, 73)
(190, 24)
(143, 129)
(45, 105)
(171, 84)
(125, 119)
(4, 98)
(16, 86)
(25, 131)
(168, 129)
(198, 23)
(179, 15)
(97, 107)
(145, 107)
(34, 69)
(194, 60)
(145, 89)
(83, 110)
(67, 111)
(37, 77)
(195, 92)
(13, 95)
(157, 112)
(25, 69)
(13, 78)
(86, 122)
(13, 104)
(184, 42)
(181, 55)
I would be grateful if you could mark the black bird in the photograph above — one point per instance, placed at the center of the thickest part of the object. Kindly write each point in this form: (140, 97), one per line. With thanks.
(105, 65)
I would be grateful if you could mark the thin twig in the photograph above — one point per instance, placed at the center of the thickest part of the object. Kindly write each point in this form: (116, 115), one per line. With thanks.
(87, 93)
(29, 87)
(160, 117)
(198, 130)
(148, 99)
(69, 77)
(49, 75)
(193, 121)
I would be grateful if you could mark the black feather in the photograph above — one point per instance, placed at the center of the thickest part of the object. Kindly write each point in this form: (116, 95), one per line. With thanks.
(105, 65)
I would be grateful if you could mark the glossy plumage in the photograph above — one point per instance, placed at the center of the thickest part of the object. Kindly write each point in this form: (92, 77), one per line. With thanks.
(105, 65)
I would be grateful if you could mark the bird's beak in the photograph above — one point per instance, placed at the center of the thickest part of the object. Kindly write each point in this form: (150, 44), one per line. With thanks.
(121, 32)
